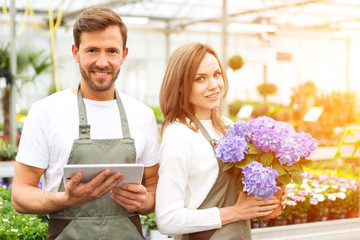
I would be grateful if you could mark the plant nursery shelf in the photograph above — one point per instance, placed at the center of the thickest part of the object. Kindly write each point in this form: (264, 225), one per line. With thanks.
(7, 169)
(344, 229)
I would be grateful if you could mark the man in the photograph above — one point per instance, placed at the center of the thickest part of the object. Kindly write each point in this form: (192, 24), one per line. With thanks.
(57, 132)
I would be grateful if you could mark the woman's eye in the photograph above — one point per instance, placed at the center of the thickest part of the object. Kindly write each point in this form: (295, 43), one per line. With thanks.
(199, 79)
(217, 74)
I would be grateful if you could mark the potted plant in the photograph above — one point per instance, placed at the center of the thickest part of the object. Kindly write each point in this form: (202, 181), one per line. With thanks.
(8, 150)
(266, 89)
(266, 154)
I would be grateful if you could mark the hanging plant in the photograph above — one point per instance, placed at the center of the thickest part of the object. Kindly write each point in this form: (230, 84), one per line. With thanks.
(236, 62)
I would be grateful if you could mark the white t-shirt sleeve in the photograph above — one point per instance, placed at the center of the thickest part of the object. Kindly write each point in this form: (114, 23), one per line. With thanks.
(33, 146)
(172, 214)
(149, 155)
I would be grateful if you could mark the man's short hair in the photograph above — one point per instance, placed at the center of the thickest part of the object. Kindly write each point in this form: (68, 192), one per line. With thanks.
(97, 19)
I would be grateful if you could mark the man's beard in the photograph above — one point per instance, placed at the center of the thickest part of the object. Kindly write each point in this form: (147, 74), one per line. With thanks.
(93, 84)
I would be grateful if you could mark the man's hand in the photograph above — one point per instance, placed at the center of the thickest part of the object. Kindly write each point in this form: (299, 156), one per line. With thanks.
(28, 198)
(131, 196)
(136, 197)
(79, 193)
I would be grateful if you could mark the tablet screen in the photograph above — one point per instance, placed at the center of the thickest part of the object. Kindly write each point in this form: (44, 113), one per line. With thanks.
(132, 172)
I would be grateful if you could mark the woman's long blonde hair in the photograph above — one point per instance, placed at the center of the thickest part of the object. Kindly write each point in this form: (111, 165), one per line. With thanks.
(177, 86)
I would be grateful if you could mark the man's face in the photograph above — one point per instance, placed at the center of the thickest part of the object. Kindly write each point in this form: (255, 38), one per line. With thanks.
(100, 56)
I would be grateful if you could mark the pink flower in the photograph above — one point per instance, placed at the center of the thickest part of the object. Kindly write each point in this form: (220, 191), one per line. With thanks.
(290, 203)
(314, 201)
(298, 198)
(323, 177)
(303, 192)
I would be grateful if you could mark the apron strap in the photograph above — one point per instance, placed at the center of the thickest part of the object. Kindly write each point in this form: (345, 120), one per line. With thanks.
(206, 134)
(124, 121)
(84, 127)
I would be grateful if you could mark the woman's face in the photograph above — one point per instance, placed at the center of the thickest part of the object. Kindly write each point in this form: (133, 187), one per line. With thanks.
(207, 87)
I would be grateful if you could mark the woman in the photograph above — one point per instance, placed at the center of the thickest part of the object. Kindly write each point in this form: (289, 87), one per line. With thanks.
(195, 199)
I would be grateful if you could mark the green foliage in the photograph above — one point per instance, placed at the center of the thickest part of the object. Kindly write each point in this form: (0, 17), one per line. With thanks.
(236, 62)
(8, 149)
(30, 64)
(19, 226)
(150, 221)
(158, 114)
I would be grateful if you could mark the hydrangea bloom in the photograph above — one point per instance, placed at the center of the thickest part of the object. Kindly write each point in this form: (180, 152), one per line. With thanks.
(269, 136)
(231, 149)
(239, 129)
(260, 181)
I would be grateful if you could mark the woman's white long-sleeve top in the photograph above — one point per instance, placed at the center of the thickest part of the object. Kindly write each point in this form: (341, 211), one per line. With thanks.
(188, 170)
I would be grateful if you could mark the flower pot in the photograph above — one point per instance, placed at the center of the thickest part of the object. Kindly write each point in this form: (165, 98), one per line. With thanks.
(352, 214)
(277, 211)
(318, 218)
(155, 234)
(340, 215)
(299, 220)
(145, 230)
(278, 222)
(259, 223)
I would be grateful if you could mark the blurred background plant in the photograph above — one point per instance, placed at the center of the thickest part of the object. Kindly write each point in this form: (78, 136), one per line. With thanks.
(30, 64)
(19, 226)
(8, 150)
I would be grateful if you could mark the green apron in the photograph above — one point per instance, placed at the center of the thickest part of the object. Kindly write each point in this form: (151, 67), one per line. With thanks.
(102, 218)
(222, 194)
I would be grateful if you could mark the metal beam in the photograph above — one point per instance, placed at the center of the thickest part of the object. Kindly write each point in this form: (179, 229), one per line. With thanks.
(217, 19)
(12, 112)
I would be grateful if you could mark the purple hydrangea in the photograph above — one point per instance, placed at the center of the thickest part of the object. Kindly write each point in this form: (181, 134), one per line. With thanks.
(259, 180)
(240, 129)
(268, 134)
(289, 152)
(307, 143)
(231, 149)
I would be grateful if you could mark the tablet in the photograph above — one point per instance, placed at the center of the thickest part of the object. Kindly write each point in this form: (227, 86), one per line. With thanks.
(132, 172)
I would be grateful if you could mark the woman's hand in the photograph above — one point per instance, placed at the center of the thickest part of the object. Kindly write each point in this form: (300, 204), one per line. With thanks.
(248, 207)
(283, 200)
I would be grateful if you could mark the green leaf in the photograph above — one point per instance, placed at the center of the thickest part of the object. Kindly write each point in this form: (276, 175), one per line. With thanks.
(288, 168)
(280, 170)
(252, 149)
(238, 180)
(305, 162)
(240, 189)
(266, 159)
(284, 179)
(228, 166)
(243, 163)
(297, 178)
(298, 168)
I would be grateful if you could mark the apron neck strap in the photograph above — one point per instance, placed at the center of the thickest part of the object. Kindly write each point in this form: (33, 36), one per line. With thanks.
(84, 128)
(206, 134)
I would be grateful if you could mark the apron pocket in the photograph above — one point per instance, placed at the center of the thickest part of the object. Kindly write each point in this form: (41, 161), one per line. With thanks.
(120, 228)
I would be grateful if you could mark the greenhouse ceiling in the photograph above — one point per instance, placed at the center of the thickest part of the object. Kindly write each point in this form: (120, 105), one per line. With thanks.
(243, 16)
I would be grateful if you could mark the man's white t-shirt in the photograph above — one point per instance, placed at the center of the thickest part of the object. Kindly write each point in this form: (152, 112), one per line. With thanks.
(53, 123)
